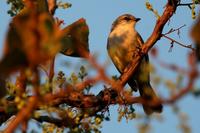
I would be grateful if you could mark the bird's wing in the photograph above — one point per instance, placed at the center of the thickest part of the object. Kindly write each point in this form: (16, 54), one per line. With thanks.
(141, 42)
(139, 39)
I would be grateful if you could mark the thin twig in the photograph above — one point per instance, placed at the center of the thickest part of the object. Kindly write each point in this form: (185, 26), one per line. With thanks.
(183, 45)
(186, 4)
(173, 30)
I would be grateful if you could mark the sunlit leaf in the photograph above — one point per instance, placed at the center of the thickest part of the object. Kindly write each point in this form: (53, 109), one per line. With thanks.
(75, 40)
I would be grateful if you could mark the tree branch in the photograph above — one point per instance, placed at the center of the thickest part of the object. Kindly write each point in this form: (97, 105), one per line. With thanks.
(174, 41)
(173, 30)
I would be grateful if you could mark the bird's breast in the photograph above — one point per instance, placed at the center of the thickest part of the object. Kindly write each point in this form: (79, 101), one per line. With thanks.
(122, 43)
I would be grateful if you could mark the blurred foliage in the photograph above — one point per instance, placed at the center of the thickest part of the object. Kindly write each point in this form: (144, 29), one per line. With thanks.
(149, 6)
(64, 5)
(195, 34)
(196, 92)
(144, 128)
(43, 38)
(76, 120)
(183, 125)
(15, 7)
(193, 8)
(127, 112)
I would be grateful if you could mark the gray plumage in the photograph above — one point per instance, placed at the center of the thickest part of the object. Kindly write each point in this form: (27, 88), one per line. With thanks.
(123, 43)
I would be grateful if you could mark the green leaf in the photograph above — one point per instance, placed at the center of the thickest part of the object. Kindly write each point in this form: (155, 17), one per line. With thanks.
(75, 40)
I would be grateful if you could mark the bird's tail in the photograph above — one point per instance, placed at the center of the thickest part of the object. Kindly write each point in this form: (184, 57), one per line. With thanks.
(148, 94)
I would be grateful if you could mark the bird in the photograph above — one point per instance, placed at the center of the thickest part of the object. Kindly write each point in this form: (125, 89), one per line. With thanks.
(122, 45)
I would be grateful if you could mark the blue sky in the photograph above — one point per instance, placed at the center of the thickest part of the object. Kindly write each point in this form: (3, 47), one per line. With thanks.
(99, 15)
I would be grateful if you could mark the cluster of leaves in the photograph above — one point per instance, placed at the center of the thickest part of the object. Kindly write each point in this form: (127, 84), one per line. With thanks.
(77, 120)
(193, 8)
(128, 112)
(73, 79)
(64, 5)
(16, 7)
(81, 124)
(149, 6)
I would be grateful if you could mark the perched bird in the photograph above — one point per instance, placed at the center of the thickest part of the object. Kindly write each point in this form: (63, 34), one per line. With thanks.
(123, 44)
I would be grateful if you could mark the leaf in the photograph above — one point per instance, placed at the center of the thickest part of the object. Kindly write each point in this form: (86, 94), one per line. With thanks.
(75, 40)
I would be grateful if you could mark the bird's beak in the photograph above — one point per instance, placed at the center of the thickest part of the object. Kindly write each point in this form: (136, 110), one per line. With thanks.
(137, 19)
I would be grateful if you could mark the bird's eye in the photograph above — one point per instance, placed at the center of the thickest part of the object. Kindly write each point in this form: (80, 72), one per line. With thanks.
(127, 18)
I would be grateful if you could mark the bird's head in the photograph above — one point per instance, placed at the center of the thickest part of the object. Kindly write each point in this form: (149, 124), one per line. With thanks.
(125, 19)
